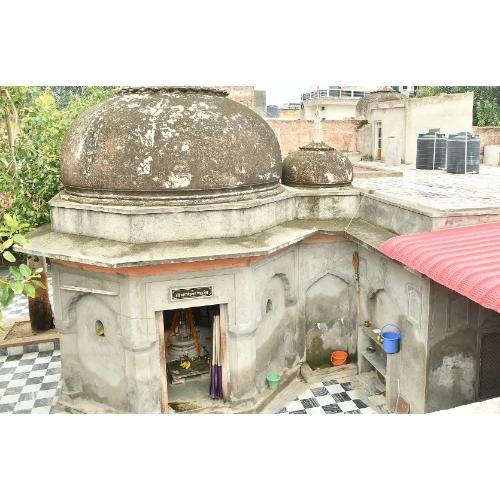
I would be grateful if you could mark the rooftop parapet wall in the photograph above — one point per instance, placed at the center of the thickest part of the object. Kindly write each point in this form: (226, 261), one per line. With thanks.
(424, 200)
(292, 134)
(227, 220)
(487, 136)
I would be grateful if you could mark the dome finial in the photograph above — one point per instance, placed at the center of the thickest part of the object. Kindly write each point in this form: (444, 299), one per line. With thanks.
(318, 128)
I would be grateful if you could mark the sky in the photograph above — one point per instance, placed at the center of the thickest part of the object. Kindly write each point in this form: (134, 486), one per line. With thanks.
(281, 94)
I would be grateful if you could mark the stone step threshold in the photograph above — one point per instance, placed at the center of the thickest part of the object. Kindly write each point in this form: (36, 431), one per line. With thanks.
(15, 345)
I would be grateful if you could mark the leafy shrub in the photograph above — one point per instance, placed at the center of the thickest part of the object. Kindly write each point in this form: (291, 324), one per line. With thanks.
(21, 279)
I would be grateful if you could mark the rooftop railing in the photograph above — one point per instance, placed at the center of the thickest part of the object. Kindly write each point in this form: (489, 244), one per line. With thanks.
(340, 93)
(333, 92)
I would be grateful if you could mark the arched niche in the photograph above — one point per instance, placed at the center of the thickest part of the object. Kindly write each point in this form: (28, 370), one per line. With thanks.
(330, 313)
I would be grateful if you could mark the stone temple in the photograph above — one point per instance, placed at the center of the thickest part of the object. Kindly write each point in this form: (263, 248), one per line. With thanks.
(177, 208)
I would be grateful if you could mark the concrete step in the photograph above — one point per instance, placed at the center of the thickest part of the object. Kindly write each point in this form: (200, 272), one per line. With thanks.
(334, 372)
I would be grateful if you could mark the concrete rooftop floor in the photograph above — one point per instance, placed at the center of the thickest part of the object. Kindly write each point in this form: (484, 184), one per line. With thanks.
(436, 189)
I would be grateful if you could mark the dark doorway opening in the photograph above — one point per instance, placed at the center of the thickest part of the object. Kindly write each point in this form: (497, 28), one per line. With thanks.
(189, 355)
(378, 140)
(489, 369)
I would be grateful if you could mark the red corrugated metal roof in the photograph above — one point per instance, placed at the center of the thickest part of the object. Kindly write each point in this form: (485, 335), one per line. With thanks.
(464, 259)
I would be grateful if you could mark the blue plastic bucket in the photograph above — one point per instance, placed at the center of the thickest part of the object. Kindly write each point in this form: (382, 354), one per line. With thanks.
(390, 339)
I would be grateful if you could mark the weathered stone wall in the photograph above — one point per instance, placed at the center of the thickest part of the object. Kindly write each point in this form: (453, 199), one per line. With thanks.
(487, 136)
(328, 300)
(278, 342)
(389, 293)
(118, 371)
(438, 365)
(274, 307)
(341, 134)
(456, 327)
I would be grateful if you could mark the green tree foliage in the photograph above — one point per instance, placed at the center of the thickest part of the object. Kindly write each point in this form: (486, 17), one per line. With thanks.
(44, 114)
(486, 111)
(21, 279)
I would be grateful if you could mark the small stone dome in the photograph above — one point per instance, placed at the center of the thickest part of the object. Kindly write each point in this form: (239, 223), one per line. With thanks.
(169, 145)
(317, 165)
(384, 94)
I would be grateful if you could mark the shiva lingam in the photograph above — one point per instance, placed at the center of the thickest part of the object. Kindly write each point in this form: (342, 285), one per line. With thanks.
(183, 341)
(183, 345)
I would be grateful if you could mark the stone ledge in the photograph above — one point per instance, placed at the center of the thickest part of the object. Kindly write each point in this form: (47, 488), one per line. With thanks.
(286, 193)
(114, 254)
(367, 235)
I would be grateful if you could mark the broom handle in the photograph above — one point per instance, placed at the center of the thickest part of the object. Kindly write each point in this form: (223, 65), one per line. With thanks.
(355, 262)
(355, 265)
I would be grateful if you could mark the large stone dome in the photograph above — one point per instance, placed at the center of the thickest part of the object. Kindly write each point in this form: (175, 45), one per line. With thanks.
(381, 95)
(173, 145)
(317, 165)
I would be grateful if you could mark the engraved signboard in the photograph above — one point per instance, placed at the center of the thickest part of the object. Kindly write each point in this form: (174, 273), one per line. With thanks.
(191, 293)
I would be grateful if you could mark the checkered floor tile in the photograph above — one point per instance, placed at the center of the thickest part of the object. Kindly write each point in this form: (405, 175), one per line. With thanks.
(18, 309)
(328, 396)
(29, 382)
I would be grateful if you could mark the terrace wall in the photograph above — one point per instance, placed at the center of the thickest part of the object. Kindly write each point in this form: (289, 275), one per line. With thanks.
(487, 136)
(341, 134)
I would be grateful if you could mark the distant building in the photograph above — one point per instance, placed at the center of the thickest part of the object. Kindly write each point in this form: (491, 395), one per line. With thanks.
(339, 103)
(390, 113)
(290, 111)
(334, 102)
(272, 111)
(408, 90)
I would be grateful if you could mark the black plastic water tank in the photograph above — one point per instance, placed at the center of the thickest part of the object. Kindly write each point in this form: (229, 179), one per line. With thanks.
(463, 153)
(431, 151)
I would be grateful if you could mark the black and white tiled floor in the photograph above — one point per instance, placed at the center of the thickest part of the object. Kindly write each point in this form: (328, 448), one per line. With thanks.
(29, 377)
(328, 397)
(29, 382)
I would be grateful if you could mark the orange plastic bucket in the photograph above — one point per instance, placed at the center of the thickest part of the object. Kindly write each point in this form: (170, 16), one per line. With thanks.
(338, 358)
